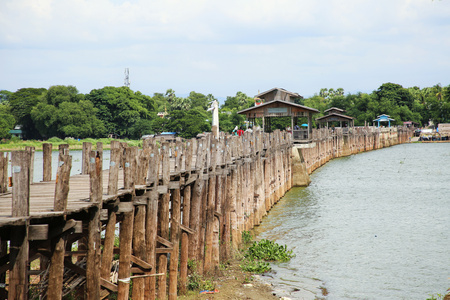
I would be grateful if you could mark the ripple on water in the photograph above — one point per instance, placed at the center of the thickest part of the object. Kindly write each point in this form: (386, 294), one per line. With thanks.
(370, 226)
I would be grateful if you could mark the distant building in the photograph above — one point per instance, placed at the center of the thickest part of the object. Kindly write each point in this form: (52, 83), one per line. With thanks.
(383, 118)
(335, 115)
(17, 131)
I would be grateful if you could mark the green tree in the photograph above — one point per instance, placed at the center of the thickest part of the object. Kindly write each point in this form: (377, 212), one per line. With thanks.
(188, 123)
(7, 120)
(199, 100)
(78, 119)
(4, 96)
(22, 102)
(119, 108)
(396, 94)
(238, 102)
(58, 94)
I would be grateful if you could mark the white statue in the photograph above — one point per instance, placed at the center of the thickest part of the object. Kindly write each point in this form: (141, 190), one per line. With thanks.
(215, 116)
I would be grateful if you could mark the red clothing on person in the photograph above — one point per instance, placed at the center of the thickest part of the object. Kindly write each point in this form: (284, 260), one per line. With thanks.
(240, 132)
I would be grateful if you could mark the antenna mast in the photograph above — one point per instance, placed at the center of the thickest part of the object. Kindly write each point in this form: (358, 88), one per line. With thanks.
(126, 82)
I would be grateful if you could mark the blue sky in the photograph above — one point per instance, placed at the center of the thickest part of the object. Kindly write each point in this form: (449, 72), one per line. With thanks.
(221, 47)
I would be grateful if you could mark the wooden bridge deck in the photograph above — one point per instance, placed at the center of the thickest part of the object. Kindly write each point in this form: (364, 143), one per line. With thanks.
(42, 198)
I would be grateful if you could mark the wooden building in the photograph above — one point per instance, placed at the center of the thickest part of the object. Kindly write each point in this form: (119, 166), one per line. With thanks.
(335, 115)
(280, 103)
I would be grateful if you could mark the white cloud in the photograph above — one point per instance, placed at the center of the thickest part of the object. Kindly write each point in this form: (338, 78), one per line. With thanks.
(224, 46)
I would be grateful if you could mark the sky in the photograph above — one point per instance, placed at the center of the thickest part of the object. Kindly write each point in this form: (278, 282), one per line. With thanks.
(222, 47)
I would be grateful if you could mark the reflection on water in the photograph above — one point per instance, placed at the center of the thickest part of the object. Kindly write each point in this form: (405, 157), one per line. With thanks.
(370, 226)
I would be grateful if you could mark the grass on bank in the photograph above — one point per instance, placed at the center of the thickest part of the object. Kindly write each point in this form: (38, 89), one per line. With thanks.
(18, 144)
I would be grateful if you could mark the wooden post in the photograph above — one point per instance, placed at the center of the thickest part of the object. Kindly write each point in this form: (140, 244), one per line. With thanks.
(18, 279)
(185, 239)
(56, 270)
(94, 228)
(150, 241)
(174, 238)
(108, 247)
(152, 221)
(125, 241)
(87, 147)
(196, 202)
(3, 172)
(210, 223)
(163, 219)
(114, 164)
(129, 169)
(62, 182)
(139, 248)
(100, 176)
(47, 161)
(225, 251)
(32, 151)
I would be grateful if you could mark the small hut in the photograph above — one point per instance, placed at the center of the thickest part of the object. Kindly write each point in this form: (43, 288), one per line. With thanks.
(278, 102)
(333, 116)
(383, 118)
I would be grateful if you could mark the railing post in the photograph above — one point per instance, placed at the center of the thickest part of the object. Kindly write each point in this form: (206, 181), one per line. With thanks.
(47, 161)
(18, 277)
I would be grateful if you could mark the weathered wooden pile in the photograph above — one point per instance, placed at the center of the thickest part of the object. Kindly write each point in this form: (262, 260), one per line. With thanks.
(338, 142)
(168, 202)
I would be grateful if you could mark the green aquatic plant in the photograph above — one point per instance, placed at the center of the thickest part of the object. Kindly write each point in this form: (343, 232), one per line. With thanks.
(269, 251)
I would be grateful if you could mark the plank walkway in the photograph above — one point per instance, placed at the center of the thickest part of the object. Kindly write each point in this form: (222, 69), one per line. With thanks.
(42, 198)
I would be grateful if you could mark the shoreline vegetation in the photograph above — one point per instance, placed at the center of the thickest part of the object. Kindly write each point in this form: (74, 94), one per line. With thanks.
(75, 144)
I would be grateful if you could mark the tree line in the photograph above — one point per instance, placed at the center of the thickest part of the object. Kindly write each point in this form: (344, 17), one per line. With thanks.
(61, 111)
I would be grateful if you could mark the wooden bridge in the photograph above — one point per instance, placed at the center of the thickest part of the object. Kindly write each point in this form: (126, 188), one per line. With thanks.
(168, 202)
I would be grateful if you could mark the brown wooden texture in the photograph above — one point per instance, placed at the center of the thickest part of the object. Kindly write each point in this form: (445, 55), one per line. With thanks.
(126, 238)
(20, 165)
(62, 184)
(47, 161)
(174, 238)
(86, 150)
(4, 172)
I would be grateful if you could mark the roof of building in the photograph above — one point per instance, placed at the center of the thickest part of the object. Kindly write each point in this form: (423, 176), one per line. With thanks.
(313, 110)
(281, 89)
(335, 115)
(334, 108)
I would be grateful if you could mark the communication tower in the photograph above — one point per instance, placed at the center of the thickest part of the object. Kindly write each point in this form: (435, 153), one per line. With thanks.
(126, 82)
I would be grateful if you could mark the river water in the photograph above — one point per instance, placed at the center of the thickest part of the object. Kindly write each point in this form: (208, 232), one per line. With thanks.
(374, 225)
(38, 169)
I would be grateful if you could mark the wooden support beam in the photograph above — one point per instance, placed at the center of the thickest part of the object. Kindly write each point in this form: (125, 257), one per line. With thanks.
(141, 263)
(108, 245)
(125, 241)
(87, 147)
(114, 164)
(4, 172)
(187, 229)
(150, 240)
(19, 247)
(62, 181)
(47, 161)
(164, 242)
(174, 238)
(139, 248)
(56, 271)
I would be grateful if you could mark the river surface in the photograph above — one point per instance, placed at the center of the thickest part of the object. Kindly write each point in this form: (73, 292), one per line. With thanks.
(76, 163)
(374, 225)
